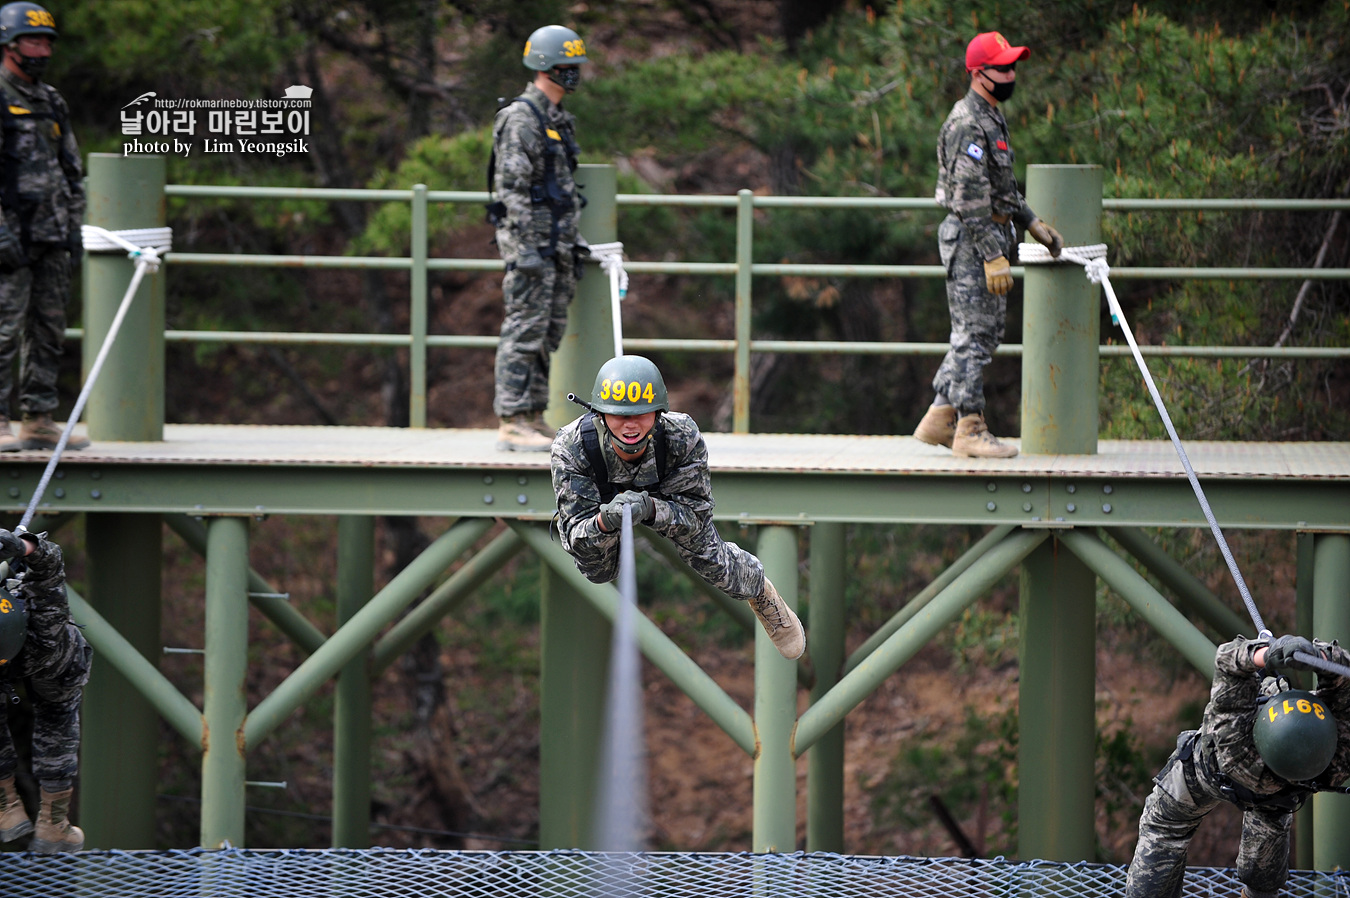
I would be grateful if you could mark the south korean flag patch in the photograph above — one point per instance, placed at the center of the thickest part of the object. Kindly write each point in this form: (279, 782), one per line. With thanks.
(974, 152)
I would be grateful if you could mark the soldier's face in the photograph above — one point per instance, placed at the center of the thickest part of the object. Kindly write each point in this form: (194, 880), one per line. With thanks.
(631, 430)
(34, 45)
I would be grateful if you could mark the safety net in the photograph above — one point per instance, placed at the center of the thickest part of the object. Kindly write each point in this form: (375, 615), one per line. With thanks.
(390, 873)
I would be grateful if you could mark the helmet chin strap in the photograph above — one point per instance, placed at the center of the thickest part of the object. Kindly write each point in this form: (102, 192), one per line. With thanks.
(620, 446)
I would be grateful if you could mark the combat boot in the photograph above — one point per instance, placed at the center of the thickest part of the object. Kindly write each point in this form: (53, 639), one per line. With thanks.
(938, 426)
(973, 440)
(516, 435)
(780, 622)
(14, 820)
(55, 833)
(535, 421)
(8, 441)
(39, 431)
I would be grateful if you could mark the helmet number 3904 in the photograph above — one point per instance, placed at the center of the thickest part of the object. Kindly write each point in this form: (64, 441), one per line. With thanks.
(632, 390)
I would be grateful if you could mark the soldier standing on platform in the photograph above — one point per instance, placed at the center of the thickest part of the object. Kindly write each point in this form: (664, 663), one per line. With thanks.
(41, 209)
(633, 450)
(534, 154)
(977, 187)
(44, 650)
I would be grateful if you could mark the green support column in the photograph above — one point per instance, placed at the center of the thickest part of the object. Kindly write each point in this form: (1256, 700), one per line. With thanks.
(1056, 691)
(589, 340)
(119, 755)
(574, 661)
(825, 759)
(775, 788)
(127, 403)
(1331, 620)
(1302, 858)
(1060, 318)
(226, 666)
(352, 709)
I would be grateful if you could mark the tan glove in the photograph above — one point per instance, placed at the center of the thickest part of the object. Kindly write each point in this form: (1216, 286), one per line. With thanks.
(1046, 236)
(998, 276)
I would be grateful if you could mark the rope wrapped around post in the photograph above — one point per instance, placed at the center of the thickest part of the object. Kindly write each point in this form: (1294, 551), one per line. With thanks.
(610, 257)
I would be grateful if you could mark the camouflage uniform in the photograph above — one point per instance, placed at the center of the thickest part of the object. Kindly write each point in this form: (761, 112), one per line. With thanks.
(683, 499)
(1221, 753)
(42, 192)
(536, 305)
(975, 182)
(54, 662)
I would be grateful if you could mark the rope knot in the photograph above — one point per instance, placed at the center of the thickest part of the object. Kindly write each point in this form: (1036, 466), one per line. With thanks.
(1097, 270)
(610, 257)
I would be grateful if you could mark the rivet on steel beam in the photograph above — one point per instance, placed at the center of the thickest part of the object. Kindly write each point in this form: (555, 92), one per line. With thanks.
(59, 493)
(991, 486)
(1026, 487)
(523, 480)
(522, 499)
(14, 492)
(1071, 508)
(488, 500)
(95, 475)
(14, 474)
(1071, 488)
(487, 478)
(60, 475)
(991, 506)
(1106, 509)
(95, 494)
(1107, 488)
(1026, 506)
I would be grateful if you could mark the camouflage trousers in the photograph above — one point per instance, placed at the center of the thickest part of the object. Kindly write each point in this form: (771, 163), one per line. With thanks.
(55, 670)
(1182, 796)
(33, 324)
(722, 564)
(536, 316)
(978, 318)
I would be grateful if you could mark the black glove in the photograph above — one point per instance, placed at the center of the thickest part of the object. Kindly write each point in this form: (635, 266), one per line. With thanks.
(530, 263)
(11, 546)
(1280, 653)
(644, 509)
(11, 250)
(75, 244)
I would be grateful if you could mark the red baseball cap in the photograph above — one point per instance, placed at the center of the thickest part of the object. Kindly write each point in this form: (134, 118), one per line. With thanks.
(992, 48)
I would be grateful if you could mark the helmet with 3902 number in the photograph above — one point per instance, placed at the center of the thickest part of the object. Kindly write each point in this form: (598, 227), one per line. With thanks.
(1295, 734)
(13, 627)
(18, 19)
(629, 385)
(553, 45)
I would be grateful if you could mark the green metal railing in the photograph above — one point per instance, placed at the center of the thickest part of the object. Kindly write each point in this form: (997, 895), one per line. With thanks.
(743, 269)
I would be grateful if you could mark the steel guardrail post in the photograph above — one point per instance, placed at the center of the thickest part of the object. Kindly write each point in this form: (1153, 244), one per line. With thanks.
(1331, 620)
(745, 242)
(417, 315)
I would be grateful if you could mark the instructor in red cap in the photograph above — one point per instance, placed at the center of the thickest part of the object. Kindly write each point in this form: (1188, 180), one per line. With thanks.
(977, 188)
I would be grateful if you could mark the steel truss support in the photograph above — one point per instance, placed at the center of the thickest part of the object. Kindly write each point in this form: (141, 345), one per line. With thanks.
(827, 627)
(352, 707)
(226, 670)
(1331, 620)
(775, 788)
(1191, 594)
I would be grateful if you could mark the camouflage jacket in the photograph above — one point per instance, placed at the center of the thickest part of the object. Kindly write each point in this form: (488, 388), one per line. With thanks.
(524, 155)
(41, 584)
(975, 172)
(1227, 728)
(684, 501)
(42, 174)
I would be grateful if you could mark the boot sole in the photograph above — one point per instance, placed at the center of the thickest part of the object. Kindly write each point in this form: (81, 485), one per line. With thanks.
(74, 445)
(42, 846)
(14, 832)
(924, 438)
(512, 447)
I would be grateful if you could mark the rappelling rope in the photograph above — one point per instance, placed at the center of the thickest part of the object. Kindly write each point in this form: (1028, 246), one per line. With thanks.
(143, 246)
(1093, 259)
(610, 257)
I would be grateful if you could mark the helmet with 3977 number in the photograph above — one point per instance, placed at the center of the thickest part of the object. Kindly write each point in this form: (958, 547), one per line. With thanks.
(18, 19)
(629, 385)
(553, 45)
(1295, 734)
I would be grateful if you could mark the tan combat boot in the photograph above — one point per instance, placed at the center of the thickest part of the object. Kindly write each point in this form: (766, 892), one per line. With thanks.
(535, 421)
(8, 441)
(14, 820)
(780, 622)
(516, 435)
(55, 833)
(973, 440)
(39, 431)
(938, 426)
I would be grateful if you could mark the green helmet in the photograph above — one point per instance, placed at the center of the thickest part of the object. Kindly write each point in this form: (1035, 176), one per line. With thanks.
(629, 385)
(18, 19)
(1295, 735)
(552, 45)
(13, 626)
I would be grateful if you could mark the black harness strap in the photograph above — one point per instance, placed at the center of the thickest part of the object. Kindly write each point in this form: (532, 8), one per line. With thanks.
(590, 442)
(547, 192)
(10, 161)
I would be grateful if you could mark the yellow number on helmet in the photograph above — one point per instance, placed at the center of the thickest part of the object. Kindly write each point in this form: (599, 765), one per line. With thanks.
(604, 388)
(1317, 709)
(5, 606)
(41, 17)
(1304, 706)
(634, 391)
(1271, 709)
(647, 394)
(619, 388)
(527, 49)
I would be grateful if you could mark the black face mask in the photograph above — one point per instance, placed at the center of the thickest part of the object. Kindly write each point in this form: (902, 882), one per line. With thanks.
(33, 66)
(1000, 90)
(567, 79)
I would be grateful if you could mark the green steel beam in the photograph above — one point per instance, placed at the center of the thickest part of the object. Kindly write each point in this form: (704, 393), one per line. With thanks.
(352, 703)
(826, 628)
(362, 629)
(904, 643)
(1301, 857)
(225, 704)
(264, 596)
(745, 497)
(916, 604)
(774, 792)
(1191, 593)
(417, 312)
(1159, 613)
(114, 649)
(445, 599)
(745, 251)
(1331, 620)
(658, 648)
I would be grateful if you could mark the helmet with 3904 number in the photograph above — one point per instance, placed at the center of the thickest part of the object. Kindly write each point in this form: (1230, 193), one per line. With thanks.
(18, 19)
(1295, 734)
(629, 385)
(553, 45)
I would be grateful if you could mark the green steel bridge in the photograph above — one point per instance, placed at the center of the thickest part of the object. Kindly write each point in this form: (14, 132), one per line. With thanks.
(1046, 512)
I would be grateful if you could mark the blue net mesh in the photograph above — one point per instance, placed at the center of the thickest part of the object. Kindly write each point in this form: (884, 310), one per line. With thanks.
(390, 873)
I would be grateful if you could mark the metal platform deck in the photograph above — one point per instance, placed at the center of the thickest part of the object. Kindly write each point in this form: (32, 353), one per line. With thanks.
(793, 478)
